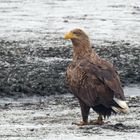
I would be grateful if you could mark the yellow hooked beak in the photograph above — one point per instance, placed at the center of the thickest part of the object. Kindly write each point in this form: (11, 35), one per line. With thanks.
(70, 35)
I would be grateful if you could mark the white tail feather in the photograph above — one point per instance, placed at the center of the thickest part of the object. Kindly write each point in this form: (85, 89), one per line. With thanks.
(123, 106)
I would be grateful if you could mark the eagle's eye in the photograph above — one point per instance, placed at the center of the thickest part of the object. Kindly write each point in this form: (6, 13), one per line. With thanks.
(76, 33)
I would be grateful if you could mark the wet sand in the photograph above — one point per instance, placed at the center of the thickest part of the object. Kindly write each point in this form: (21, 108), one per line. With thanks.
(50, 118)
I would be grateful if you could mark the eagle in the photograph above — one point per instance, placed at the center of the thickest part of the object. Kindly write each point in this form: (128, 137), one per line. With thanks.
(93, 80)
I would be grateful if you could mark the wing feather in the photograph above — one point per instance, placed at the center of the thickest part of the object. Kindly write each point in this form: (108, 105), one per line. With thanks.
(106, 74)
(94, 84)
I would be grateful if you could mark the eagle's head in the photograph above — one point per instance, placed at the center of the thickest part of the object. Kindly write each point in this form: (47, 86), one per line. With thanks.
(78, 37)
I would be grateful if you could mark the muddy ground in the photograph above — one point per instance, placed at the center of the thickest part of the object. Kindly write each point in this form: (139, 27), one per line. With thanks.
(26, 67)
(50, 118)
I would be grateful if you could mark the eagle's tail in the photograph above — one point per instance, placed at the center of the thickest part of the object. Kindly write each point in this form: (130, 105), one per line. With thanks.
(120, 106)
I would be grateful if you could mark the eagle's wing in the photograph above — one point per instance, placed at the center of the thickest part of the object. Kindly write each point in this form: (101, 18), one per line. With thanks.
(107, 76)
(90, 89)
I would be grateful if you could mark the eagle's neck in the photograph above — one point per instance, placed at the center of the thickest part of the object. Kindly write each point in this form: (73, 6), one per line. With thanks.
(82, 49)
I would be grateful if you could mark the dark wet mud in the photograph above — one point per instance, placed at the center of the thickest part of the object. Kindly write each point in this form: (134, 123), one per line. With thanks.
(29, 68)
(51, 118)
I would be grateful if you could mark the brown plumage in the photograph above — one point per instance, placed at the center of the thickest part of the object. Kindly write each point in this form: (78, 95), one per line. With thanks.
(93, 80)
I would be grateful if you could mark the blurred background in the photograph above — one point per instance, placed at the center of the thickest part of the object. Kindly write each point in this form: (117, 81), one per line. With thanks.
(104, 20)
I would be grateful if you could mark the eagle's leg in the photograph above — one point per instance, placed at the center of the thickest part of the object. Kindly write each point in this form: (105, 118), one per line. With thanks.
(85, 112)
(99, 121)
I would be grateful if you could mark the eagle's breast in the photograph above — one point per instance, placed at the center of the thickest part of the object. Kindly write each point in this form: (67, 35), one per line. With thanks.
(75, 76)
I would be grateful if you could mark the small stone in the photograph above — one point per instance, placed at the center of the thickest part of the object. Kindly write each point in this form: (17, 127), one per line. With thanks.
(66, 21)
(32, 129)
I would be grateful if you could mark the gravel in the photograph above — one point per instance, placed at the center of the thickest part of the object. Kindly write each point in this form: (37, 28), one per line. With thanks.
(28, 68)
